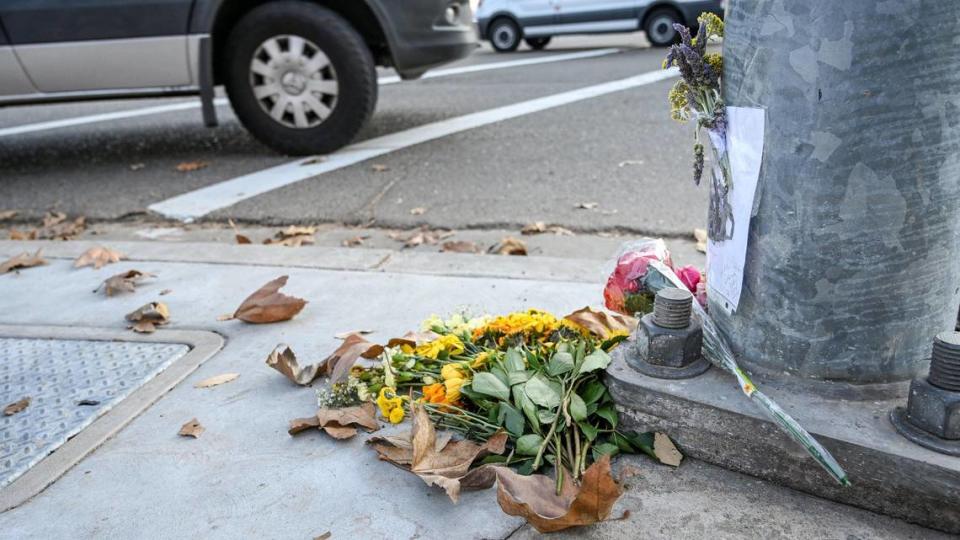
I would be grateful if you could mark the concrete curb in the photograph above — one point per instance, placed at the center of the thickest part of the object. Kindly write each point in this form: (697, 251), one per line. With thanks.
(332, 258)
(203, 345)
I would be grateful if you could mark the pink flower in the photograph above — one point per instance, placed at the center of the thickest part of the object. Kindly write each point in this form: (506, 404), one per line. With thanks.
(613, 296)
(690, 277)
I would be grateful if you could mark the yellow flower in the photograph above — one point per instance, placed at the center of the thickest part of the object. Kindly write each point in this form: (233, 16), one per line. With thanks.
(451, 371)
(449, 343)
(433, 321)
(396, 415)
(532, 322)
(480, 360)
(388, 400)
(453, 389)
(715, 61)
(714, 24)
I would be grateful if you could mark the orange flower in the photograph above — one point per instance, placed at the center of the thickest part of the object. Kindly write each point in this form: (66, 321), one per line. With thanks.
(435, 393)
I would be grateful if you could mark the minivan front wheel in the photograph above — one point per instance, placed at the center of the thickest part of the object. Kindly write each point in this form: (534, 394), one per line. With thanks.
(299, 77)
(505, 35)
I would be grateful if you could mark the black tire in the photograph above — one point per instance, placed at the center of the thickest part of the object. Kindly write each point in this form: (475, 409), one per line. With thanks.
(352, 65)
(504, 35)
(537, 43)
(659, 27)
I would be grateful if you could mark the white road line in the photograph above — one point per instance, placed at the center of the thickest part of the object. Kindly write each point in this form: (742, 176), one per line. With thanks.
(198, 203)
(386, 80)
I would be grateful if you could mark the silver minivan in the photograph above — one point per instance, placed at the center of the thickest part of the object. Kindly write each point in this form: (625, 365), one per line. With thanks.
(505, 23)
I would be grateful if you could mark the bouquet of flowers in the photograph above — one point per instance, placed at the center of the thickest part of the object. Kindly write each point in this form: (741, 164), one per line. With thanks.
(697, 96)
(627, 290)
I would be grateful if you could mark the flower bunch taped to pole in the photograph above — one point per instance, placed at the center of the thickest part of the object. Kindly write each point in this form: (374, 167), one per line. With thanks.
(718, 351)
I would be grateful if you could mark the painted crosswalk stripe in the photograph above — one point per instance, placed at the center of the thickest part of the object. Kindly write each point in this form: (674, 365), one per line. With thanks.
(195, 204)
(384, 81)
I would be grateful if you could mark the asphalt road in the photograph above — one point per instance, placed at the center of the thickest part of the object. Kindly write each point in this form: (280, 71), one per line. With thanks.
(619, 150)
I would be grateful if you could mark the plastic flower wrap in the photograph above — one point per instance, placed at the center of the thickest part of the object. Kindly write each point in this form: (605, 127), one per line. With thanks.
(628, 290)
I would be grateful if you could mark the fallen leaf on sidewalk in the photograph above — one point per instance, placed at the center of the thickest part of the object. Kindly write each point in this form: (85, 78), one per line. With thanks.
(190, 166)
(587, 205)
(284, 360)
(701, 236)
(98, 257)
(666, 451)
(535, 498)
(240, 238)
(6, 215)
(125, 282)
(510, 246)
(354, 347)
(601, 323)
(217, 380)
(16, 407)
(446, 466)
(345, 335)
(539, 227)
(293, 236)
(16, 234)
(376, 167)
(339, 423)
(147, 318)
(56, 227)
(191, 429)
(324, 536)
(354, 241)
(268, 305)
(419, 211)
(419, 237)
(460, 246)
(23, 260)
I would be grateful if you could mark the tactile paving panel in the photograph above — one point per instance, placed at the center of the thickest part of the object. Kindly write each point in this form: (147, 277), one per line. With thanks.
(70, 383)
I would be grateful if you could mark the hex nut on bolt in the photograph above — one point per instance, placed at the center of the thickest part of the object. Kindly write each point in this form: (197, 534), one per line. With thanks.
(932, 416)
(669, 340)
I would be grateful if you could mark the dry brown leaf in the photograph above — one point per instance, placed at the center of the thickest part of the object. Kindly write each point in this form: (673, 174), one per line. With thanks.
(345, 335)
(216, 380)
(190, 166)
(293, 236)
(340, 423)
(23, 260)
(240, 238)
(16, 234)
(98, 257)
(376, 167)
(284, 360)
(587, 205)
(601, 323)
(354, 347)
(447, 466)
(191, 429)
(666, 451)
(268, 305)
(539, 227)
(460, 246)
(701, 236)
(418, 211)
(147, 318)
(354, 241)
(510, 246)
(6, 215)
(325, 536)
(16, 406)
(56, 227)
(125, 282)
(535, 498)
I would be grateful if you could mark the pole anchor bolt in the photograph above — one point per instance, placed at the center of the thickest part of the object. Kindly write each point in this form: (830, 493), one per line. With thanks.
(932, 415)
(669, 341)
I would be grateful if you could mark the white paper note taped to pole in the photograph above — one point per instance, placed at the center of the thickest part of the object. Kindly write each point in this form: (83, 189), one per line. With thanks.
(725, 260)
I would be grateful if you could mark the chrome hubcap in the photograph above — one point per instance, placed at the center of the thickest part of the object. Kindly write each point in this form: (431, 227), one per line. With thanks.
(293, 81)
(504, 36)
(662, 29)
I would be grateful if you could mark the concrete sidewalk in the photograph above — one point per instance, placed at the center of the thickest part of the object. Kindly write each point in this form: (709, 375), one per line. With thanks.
(245, 477)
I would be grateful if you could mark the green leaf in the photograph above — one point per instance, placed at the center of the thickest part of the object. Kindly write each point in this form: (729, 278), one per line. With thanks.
(533, 361)
(561, 363)
(641, 442)
(489, 385)
(511, 419)
(522, 402)
(546, 416)
(477, 398)
(529, 445)
(493, 459)
(517, 377)
(514, 361)
(500, 374)
(609, 413)
(594, 361)
(605, 448)
(543, 392)
(578, 409)
(588, 430)
(593, 391)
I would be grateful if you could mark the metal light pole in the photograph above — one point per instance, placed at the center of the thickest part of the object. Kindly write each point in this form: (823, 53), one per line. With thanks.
(853, 262)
